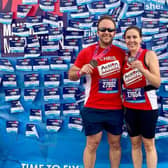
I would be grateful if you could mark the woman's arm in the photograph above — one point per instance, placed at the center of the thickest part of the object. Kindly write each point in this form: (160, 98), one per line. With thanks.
(152, 74)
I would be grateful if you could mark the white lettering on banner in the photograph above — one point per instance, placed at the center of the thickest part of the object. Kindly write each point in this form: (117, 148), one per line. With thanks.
(159, 1)
(26, 165)
(151, 6)
(7, 30)
(60, 23)
(7, 33)
(6, 46)
(68, 166)
(88, 33)
(61, 42)
(48, 166)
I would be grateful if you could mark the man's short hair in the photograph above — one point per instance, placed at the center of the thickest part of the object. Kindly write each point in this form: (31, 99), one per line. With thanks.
(108, 17)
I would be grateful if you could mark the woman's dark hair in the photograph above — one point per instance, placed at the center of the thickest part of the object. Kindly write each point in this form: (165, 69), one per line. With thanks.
(108, 17)
(133, 27)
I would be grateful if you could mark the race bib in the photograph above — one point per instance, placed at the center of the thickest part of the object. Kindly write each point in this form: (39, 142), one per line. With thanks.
(135, 95)
(108, 85)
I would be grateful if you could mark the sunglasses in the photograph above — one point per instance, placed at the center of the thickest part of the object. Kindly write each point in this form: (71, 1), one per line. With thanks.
(103, 29)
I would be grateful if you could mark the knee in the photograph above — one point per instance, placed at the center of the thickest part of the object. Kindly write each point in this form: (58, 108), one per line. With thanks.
(136, 145)
(92, 146)
(149, 147)
(149, 144)
(115, 145)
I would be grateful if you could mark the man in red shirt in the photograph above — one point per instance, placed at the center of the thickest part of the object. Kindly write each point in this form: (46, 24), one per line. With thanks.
(101, 64)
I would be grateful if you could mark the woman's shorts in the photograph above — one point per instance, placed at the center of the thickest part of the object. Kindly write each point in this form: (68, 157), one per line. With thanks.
(141, 122)
(97, 120)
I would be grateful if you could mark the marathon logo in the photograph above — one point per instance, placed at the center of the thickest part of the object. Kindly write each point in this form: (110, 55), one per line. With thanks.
(109, 68)
(132, 76)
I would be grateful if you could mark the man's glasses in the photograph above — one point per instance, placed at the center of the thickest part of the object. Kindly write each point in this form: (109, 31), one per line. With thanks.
(103, 29)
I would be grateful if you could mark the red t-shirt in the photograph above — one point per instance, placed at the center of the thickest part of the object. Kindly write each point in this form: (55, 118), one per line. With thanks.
(103, 86)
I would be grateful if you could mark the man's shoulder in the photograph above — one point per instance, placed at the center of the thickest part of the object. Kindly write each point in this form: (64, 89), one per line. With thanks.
(88, 48)
(87, 51)
(92, 46)
(117, 48)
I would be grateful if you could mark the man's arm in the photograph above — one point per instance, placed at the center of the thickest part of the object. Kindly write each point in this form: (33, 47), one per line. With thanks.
(75, 73)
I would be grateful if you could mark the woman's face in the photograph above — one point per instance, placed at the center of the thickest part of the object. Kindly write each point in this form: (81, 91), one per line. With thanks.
(133, 40)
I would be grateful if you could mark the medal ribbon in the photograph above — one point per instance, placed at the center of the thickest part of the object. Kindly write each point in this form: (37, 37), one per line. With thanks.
(137, 54)
(97, 56)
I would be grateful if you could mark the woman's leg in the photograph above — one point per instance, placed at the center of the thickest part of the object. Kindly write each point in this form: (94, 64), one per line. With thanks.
(136, 143)
(151, 154)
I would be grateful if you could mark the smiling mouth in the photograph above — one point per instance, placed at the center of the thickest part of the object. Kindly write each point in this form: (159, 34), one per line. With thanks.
(107, 37)
(131, 45)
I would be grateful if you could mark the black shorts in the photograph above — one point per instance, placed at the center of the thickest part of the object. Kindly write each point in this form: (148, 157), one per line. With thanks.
(141, 122)
(96, 120)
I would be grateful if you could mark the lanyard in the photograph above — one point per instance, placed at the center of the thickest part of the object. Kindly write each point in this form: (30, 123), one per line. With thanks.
(97, 56)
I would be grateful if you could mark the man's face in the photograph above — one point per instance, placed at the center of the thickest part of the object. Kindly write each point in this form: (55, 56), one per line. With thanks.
(106, 32)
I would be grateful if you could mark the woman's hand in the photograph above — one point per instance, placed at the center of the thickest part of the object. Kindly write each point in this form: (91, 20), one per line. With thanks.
(137, 64)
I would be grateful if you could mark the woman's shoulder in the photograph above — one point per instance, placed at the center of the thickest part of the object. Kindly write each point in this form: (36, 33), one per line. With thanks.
(150, 53)
(150, 56)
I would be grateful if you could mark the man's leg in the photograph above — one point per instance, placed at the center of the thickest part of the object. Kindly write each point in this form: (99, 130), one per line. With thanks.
(89, 156)
(115, 150)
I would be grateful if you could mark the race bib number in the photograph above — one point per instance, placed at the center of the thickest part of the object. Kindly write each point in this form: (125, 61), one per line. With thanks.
(108, 85)
(135, 95)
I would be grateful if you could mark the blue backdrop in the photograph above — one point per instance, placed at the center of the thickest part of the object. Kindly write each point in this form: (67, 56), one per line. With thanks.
(40, 125)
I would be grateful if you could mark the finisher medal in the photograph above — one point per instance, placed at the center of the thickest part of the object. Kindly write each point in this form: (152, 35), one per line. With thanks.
(94, 63)
(131, 59)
